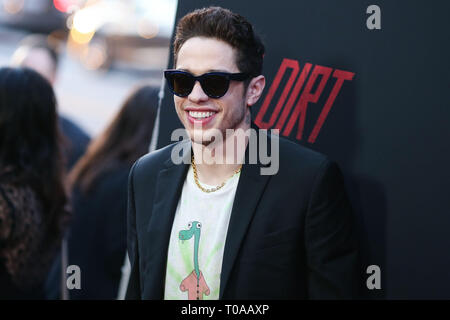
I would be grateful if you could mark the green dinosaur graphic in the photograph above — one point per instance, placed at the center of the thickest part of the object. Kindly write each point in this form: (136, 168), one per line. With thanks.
(194, 283)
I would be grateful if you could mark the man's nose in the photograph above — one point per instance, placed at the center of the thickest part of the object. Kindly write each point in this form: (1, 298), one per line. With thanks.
(197, 94)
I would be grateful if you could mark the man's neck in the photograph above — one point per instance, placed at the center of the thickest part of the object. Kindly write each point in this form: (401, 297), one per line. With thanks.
(217, 162)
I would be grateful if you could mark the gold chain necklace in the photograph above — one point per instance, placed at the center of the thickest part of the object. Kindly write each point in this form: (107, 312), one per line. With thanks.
(194, 167)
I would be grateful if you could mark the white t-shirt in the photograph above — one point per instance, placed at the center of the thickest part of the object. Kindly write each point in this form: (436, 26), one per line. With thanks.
(194, 264)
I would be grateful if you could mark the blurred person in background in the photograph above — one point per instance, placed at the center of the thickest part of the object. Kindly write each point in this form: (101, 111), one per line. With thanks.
(97, 236)
(38, 53)
(33, 210)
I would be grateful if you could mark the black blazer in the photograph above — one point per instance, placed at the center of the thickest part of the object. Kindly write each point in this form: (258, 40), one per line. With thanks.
(290, 236)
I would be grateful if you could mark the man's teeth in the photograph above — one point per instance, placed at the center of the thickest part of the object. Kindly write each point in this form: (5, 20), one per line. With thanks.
(200, 115)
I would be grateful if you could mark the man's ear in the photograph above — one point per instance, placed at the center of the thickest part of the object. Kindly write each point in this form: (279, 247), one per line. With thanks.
(255, 89)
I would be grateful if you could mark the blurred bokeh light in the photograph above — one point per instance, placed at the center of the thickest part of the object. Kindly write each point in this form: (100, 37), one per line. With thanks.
(13, 6)
(106, 47)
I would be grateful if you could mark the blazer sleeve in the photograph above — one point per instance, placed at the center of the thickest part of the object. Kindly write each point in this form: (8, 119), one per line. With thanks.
(134, 287)
(330, 238)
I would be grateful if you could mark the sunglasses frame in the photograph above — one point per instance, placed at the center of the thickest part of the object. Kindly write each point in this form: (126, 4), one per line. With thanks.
(228, 76)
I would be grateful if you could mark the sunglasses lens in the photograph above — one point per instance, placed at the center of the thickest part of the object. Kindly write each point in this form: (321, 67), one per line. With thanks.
(181, 84)
(215, 86)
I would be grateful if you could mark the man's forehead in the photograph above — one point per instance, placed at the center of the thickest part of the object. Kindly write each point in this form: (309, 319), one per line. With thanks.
(199, 55)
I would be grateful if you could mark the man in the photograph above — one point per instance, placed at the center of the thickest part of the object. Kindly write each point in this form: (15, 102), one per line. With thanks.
(222, 230)
(35, 52)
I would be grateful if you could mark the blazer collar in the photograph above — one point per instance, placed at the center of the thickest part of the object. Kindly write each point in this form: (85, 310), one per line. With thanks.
(169, 185)
(248, 194)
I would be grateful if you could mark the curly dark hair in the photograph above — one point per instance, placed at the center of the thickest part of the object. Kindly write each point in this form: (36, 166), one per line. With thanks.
(225, 25)
(31, 142)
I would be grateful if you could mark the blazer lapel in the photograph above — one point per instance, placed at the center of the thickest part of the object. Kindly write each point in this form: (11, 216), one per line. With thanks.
(248, 193)
(168, 191)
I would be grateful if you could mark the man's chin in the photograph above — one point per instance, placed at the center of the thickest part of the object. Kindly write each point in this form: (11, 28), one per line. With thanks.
(201, 140)
(204, 137)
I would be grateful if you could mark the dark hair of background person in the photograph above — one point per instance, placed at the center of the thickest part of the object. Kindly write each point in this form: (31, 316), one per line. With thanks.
(29, 55)
(230, 27)
(31, 142)
(125, 140)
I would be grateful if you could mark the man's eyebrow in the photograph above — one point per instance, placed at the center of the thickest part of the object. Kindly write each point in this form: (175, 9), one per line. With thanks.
(209, 70)
(218, 70)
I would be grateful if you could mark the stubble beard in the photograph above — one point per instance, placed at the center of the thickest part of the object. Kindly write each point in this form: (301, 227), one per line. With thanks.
(234, 123)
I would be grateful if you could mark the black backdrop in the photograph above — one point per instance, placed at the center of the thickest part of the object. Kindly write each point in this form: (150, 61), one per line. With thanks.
(387, 128)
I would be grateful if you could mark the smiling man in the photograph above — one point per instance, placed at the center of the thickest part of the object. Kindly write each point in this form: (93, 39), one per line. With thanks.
(221, 229)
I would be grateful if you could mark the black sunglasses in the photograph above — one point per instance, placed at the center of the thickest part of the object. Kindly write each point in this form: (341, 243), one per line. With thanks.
(214, 84)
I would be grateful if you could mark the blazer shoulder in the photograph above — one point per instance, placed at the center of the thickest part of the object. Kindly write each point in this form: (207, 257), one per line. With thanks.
(153, 162)
(296, 155)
